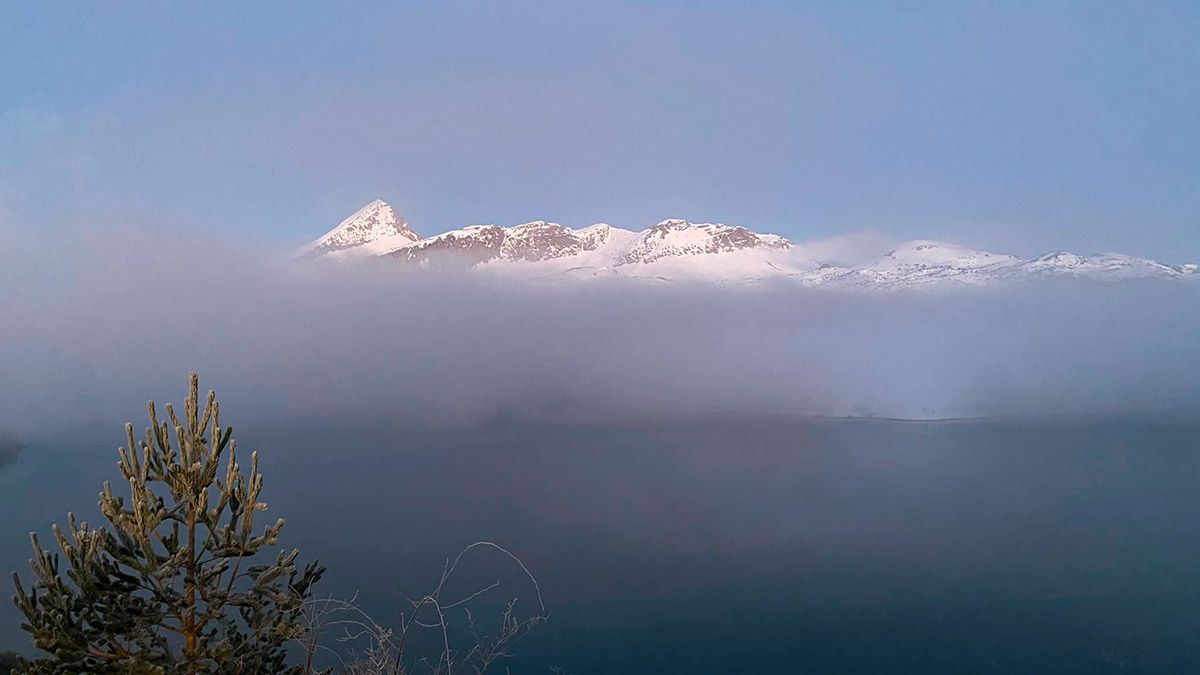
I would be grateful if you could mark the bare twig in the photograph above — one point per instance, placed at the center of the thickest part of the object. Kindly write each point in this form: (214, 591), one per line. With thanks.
(374, 649)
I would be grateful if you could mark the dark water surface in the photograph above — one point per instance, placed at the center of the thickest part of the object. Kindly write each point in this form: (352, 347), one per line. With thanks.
(742, 545)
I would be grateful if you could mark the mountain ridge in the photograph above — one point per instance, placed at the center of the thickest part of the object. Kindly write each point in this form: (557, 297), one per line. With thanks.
(677, 249)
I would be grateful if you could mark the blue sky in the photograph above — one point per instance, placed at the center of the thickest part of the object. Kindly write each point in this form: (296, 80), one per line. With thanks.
(1022, 127)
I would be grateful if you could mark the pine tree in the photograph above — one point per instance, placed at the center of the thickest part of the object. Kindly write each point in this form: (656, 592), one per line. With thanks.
(170, 587)
(8, 661)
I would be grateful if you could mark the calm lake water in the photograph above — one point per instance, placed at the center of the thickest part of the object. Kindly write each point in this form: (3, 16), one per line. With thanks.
(743, 545)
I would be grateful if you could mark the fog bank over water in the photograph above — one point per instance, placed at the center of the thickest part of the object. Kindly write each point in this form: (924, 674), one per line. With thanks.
(95, 322)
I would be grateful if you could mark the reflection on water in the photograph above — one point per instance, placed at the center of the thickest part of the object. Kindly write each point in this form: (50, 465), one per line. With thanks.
(822, 546)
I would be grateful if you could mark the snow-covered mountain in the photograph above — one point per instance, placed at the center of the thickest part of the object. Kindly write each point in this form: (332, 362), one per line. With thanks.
(1112, 265)
(375, 229)
(921, 262)
(678, 250)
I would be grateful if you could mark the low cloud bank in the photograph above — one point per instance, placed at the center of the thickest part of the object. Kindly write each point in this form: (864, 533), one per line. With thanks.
(95, 324)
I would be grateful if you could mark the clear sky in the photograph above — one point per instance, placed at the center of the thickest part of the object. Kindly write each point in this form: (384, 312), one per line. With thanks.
(1018, 126)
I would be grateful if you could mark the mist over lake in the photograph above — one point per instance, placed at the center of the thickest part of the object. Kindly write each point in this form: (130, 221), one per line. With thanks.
(656, 454)
(609, 337)
(372, 341)
(674, 463)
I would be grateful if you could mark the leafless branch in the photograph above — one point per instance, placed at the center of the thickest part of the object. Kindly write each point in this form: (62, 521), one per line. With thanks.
(363, 646)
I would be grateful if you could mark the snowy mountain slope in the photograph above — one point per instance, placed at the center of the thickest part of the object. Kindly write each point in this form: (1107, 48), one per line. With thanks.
(375, 229)
(601, 249)
(457, 248)
(1107, 265)
(540, 240)
(675, 238)
(923, 261)
(678, 250)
